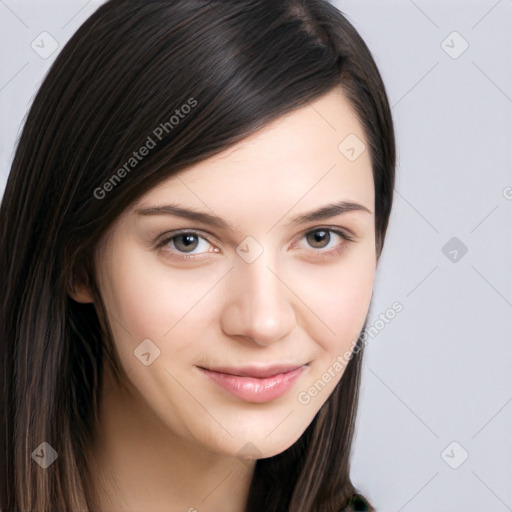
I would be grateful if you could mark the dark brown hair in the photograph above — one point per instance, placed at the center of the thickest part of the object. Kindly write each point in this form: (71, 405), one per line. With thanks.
(124, 73)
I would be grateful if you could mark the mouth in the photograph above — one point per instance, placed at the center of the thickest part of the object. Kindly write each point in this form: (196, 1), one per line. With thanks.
(256, 384)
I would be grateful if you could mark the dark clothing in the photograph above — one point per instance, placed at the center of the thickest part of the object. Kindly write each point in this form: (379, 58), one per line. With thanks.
(358, 503)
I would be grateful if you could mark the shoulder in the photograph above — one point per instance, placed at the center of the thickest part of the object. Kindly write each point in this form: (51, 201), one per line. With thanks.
(357, 503)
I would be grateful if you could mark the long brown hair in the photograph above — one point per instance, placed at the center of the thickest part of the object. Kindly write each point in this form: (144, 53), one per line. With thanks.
(122, 75)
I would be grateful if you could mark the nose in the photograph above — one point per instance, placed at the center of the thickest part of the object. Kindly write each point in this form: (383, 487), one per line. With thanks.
(258, 306)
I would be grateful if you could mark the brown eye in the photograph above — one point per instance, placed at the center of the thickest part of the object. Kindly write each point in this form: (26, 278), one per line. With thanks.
(185, 242)
(322, 244)
(318, 238)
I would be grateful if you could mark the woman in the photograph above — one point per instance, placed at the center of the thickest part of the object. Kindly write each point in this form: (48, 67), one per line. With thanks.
(189, 236)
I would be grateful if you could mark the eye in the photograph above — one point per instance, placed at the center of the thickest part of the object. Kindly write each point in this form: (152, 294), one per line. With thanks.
(320, 238)
(183, 244)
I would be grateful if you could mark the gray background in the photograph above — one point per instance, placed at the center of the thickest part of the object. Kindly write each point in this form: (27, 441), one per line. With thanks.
(437, 382)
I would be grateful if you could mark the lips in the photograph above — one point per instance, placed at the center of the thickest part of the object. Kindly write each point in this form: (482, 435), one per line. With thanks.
(256, 372)
(255, 384)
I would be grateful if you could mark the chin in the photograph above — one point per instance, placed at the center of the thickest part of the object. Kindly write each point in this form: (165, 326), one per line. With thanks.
(256, 443)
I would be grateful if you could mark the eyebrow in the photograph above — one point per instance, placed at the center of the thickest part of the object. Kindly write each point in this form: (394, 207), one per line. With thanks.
(325, 212)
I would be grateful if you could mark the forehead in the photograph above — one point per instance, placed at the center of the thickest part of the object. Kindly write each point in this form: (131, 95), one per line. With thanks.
(301, 158)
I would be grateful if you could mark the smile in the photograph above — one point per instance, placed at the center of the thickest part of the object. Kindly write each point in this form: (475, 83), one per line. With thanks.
(255, 385)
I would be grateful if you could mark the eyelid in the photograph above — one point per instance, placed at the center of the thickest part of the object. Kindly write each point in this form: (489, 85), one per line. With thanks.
(164, 238)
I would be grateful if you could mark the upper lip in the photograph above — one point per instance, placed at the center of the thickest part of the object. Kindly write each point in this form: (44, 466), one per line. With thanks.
(258, 372)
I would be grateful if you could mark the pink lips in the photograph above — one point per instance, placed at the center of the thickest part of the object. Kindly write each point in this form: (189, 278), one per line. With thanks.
(255, 385)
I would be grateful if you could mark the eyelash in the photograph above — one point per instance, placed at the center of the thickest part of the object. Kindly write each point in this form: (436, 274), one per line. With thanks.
(322, 254)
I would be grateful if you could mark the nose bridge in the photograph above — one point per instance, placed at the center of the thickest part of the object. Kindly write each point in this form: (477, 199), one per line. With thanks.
(259, 304)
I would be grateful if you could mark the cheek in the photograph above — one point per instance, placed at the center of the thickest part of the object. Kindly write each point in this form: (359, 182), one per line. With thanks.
(138, 299)
(148, 300)
(340, 299)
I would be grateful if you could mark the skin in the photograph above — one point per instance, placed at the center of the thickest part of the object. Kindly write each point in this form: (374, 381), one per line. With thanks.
(173, 441)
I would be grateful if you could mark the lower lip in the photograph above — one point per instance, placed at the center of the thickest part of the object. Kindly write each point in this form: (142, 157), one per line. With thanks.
(255, 390)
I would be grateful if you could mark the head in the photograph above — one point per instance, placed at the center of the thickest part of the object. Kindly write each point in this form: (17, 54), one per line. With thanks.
(246, 111)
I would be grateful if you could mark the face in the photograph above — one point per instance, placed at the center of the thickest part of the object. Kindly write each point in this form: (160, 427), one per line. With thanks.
(234, 332)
